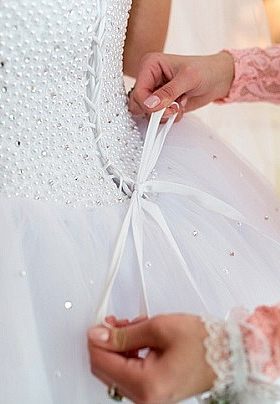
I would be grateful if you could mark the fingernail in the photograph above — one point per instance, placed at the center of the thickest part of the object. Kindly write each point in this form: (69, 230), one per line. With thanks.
(152, 102)
(99, 334)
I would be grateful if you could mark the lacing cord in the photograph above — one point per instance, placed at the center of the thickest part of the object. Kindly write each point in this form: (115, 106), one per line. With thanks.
(141, 205)
(124, 183)
(94, 84)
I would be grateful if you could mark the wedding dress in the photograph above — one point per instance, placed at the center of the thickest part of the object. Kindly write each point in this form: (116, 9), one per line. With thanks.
(98, 215)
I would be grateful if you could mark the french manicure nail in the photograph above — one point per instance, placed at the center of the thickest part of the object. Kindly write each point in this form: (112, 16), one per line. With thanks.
(99, 334)
(152, 101)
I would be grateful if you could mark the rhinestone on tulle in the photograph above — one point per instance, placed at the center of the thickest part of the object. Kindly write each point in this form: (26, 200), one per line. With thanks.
(148, 265)
(58, 374)
(68, 305)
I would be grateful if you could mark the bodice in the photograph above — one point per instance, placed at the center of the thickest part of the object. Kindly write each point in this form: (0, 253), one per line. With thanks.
(65, 131)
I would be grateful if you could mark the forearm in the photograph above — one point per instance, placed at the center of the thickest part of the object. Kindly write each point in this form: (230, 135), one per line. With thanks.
(147, 29)
(257, 75)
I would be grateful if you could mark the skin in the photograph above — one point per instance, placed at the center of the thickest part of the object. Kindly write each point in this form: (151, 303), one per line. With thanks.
(191, 81)
(174, 369)
(147, 28)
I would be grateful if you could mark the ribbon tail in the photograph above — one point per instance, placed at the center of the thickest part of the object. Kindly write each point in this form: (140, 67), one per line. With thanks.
(159, 143)
(137, 229)
(115, 265)
(153, 144)
(204, 199)
(154, 211)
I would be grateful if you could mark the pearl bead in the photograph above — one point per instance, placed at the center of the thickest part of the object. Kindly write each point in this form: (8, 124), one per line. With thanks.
(54, 142)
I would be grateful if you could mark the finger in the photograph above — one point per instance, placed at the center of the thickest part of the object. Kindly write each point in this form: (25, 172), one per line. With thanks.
(114, 322)
(127, 374)
(139, 319)
(110, 321)
(185, 81)
(172, 110)
(152, 74)
(179, 115)
(134, 107)
(145, 334)
(108, 382)
(183, 101)
(196, 102)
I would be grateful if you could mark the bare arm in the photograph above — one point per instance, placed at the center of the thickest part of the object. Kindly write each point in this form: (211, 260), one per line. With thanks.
(147, 30)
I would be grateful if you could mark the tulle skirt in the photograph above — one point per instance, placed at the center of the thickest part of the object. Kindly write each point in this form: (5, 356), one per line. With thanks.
(54, 263)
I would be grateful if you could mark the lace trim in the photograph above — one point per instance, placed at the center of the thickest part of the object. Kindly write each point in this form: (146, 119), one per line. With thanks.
(257, 75)
(240, 373)
(218, 356)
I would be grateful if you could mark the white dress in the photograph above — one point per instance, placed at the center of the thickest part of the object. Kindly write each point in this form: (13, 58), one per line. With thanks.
(85, 227)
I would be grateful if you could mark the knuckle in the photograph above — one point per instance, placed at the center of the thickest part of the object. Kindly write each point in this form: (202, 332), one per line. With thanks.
(185, 70)
(156, 326)
(168, 92)
(151, 57)
(136, 94)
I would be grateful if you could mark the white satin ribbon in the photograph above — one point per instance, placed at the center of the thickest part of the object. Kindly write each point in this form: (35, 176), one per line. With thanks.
(141, 205)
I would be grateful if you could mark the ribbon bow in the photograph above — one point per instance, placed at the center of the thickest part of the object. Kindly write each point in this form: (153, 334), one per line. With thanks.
(140, 205)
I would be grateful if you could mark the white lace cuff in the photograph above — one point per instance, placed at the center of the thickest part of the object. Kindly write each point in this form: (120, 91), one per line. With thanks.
(240, 377)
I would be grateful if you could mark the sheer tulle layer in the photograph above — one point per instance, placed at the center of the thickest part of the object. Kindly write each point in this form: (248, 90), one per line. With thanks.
(54, 264)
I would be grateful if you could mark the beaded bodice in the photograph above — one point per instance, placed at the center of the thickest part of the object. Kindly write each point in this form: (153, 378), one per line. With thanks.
(66, 134)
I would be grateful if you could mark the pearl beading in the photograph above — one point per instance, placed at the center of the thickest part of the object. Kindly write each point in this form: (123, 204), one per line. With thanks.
(65, 129)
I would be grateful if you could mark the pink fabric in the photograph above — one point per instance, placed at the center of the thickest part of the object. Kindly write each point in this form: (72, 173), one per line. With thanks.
(257, 75)
(267, 321)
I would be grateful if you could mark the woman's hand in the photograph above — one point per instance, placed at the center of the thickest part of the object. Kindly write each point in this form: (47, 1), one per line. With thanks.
(191, 81)
(174, 368)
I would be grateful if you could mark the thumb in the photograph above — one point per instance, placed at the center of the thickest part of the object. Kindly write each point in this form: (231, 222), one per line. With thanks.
(133, 337)
(184, 81)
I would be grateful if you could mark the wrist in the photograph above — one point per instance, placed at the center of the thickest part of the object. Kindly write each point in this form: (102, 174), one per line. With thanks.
(225, 66)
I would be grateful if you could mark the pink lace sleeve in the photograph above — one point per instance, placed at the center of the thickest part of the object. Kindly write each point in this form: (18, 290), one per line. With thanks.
(267, 321)
(257, 75)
